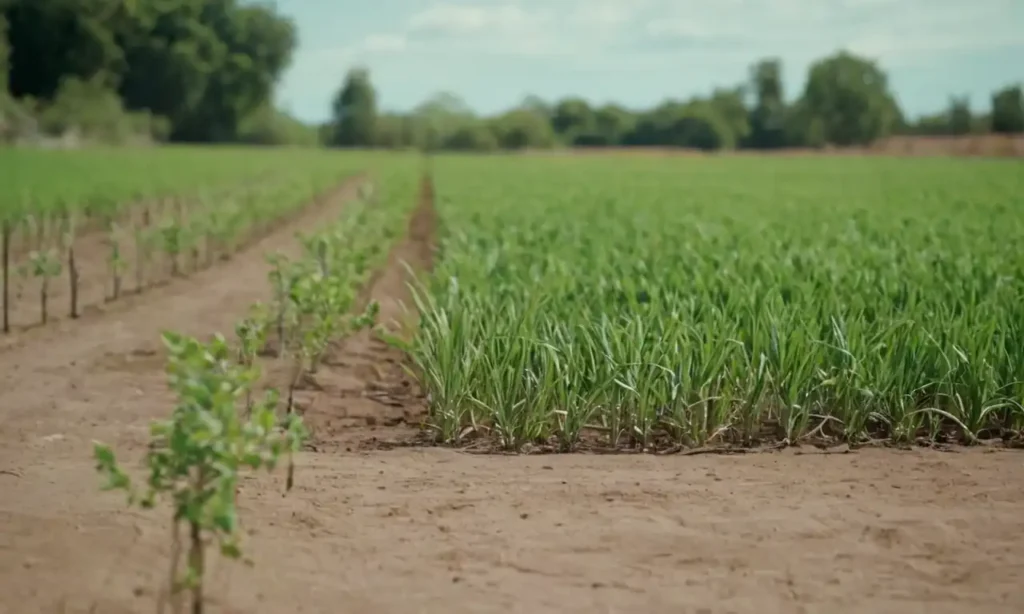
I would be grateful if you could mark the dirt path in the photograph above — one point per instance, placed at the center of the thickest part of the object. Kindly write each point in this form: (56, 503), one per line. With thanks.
(367, 531)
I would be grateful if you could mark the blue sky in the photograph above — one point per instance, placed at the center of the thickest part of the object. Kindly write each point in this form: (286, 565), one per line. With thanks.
(493, 53)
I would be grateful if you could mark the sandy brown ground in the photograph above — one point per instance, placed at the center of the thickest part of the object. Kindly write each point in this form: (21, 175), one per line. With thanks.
(431, 530)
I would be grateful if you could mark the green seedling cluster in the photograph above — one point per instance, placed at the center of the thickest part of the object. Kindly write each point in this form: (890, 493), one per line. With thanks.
(693, 302)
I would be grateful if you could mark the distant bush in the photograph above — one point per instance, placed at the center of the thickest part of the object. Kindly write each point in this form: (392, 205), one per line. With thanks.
(473, 137)
(523, 129)
(696, 125)
(95, 113)
(270, 126)
(16, 121)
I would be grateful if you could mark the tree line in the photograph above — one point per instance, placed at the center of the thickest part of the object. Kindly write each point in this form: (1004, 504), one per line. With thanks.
(183, 70)
(846, 102)
(205, 71)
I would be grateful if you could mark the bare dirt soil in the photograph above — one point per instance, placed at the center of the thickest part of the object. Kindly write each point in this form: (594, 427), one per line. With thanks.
(430, 530)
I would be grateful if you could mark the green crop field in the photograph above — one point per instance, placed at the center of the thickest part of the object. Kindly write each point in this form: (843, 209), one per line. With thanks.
(693, 301)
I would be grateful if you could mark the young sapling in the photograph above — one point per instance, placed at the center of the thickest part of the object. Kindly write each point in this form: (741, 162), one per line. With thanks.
(195, 456)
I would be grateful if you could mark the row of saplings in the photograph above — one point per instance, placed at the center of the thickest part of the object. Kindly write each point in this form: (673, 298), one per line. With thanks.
(220, 425)
(185, 233)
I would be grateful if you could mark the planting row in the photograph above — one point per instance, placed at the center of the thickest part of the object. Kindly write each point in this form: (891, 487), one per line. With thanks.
(701, 301)
(219, 426)
(134, 245)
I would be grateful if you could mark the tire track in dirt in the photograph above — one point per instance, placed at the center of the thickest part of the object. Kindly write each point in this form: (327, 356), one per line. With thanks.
(362, 389)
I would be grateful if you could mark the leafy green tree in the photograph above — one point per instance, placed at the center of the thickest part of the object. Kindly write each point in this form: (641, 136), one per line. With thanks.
(732, 113)
(204, 64)
(850, 96)
(959, 116)
(612, 123)
(355, 111)
(476, 136)
(571, 118)
(768, 117)
(59, 38)
(393, 131)
(610, 126)
(537, 105)
(654, 127)
(97, 112)
(523, 129)
(936, 124)
(5, 56)
(270, 126)
(255, 47)
(701, 126)
(802, 128)
(438, 118)
(696, 124)
(1008, 110)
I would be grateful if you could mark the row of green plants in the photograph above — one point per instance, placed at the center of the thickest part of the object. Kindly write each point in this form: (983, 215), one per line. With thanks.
(226, 419)
(151, 237)
(646, 304)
